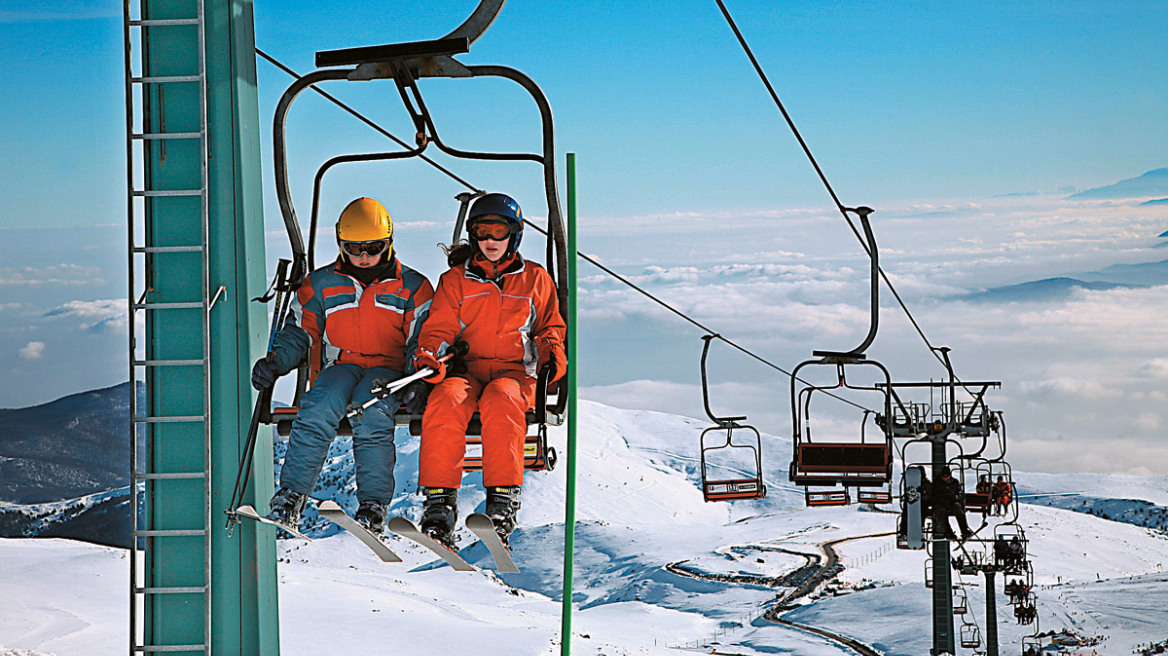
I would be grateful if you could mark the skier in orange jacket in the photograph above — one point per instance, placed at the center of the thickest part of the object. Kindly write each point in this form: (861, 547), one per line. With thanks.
(505, 308)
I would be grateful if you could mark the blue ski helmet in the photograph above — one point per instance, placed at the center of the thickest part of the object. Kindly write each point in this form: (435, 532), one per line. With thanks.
(498, 205)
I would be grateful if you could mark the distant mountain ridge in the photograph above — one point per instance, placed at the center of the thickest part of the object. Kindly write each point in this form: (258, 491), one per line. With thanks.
(1152, 184)
(1060, 288)
(1049, 289)
(72, 447)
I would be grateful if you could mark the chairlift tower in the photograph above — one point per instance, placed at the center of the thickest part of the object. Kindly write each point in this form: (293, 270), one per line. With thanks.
(955, 421)
(195, 228)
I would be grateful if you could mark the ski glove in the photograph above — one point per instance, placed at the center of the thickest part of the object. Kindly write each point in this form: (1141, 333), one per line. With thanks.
(557, 363)
(423, 359)
(414, 397)
(263, 374)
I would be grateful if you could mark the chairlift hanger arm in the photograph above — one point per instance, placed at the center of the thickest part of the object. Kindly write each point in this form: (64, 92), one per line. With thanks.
(478, 22)
(874, 309)
(280, 155)
(725, 422)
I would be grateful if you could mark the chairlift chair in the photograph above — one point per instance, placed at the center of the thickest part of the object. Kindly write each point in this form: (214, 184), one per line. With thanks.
(862, 463)
(929, 573)
(1027, 612)
(405, 64)
(1017, 586)
(1010, 548)
(979, 501)
(747, 484)
(970, 636)
(960, 601)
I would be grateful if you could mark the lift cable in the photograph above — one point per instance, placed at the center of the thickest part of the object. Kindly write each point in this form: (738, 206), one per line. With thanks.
(583, 256)
(791, 123)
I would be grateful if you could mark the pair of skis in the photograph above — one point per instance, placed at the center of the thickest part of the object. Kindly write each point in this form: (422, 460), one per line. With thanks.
(478, 523)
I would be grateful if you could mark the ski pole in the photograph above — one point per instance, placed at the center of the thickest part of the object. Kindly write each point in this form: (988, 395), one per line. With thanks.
(283, 296)
(381, 389)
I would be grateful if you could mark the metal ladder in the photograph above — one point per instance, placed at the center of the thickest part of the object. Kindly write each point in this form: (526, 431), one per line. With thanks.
(151, 595)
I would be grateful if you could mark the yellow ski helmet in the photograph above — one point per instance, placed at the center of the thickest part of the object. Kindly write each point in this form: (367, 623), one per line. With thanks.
(363, 220)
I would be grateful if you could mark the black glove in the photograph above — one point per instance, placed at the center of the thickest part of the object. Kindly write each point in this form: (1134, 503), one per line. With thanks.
(414, 397)
(263, 374)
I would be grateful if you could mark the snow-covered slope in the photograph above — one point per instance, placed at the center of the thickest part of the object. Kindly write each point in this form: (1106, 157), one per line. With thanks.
(656, 568)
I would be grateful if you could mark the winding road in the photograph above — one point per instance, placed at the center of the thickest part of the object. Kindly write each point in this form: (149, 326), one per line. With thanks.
(802, 581)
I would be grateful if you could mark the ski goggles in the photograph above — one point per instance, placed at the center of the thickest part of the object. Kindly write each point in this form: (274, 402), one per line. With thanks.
(374, 248)
(495, 231)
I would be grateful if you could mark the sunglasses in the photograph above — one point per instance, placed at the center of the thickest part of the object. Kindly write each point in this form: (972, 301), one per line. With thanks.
(495, 231)
(374, 248)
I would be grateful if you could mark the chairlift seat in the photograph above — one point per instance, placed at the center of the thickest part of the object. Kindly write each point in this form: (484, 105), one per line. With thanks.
(740, 487)
(537, 455)
(976, 501)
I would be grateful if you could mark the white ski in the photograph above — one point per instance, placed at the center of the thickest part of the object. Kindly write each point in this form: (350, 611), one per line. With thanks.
(333, 512)
(484, 528)
(406, 529)
(250, 513)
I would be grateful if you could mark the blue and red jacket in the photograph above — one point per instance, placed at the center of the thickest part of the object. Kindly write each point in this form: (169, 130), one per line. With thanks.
(336, 320)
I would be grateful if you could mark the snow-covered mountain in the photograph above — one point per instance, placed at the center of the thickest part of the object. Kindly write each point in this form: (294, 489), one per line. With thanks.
(71, 447)
(657, 570)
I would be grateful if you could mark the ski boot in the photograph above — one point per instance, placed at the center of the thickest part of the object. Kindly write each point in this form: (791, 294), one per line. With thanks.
(439, 514)
(371, 515)
(502, 506)
(286, 506)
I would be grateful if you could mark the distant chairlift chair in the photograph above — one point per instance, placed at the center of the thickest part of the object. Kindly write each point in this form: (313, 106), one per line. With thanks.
(751, 485)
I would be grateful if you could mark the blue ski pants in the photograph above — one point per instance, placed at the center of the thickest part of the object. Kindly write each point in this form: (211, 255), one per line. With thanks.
(321, 410)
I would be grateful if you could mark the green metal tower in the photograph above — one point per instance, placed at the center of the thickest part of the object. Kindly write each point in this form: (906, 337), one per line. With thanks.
(196, 256)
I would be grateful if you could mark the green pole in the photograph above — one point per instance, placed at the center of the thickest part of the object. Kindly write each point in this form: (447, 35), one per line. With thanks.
(573, 367)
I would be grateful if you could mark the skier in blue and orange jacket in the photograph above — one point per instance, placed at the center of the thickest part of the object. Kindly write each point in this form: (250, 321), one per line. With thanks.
(355, 320)
(505, 308)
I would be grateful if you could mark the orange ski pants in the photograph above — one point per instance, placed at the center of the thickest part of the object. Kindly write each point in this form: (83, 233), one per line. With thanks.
(502, 402)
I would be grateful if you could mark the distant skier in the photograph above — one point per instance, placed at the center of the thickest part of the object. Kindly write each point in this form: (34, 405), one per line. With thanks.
(949, 497)
(1001, 495)
(984, 492)
(355, 320)
(505, 308)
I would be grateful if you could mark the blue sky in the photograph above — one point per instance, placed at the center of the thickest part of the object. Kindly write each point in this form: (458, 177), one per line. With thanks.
(965, 125)
(898, 100)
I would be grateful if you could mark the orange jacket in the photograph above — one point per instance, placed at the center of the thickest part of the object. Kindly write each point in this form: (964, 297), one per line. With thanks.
(336, 320)
(509, 321)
